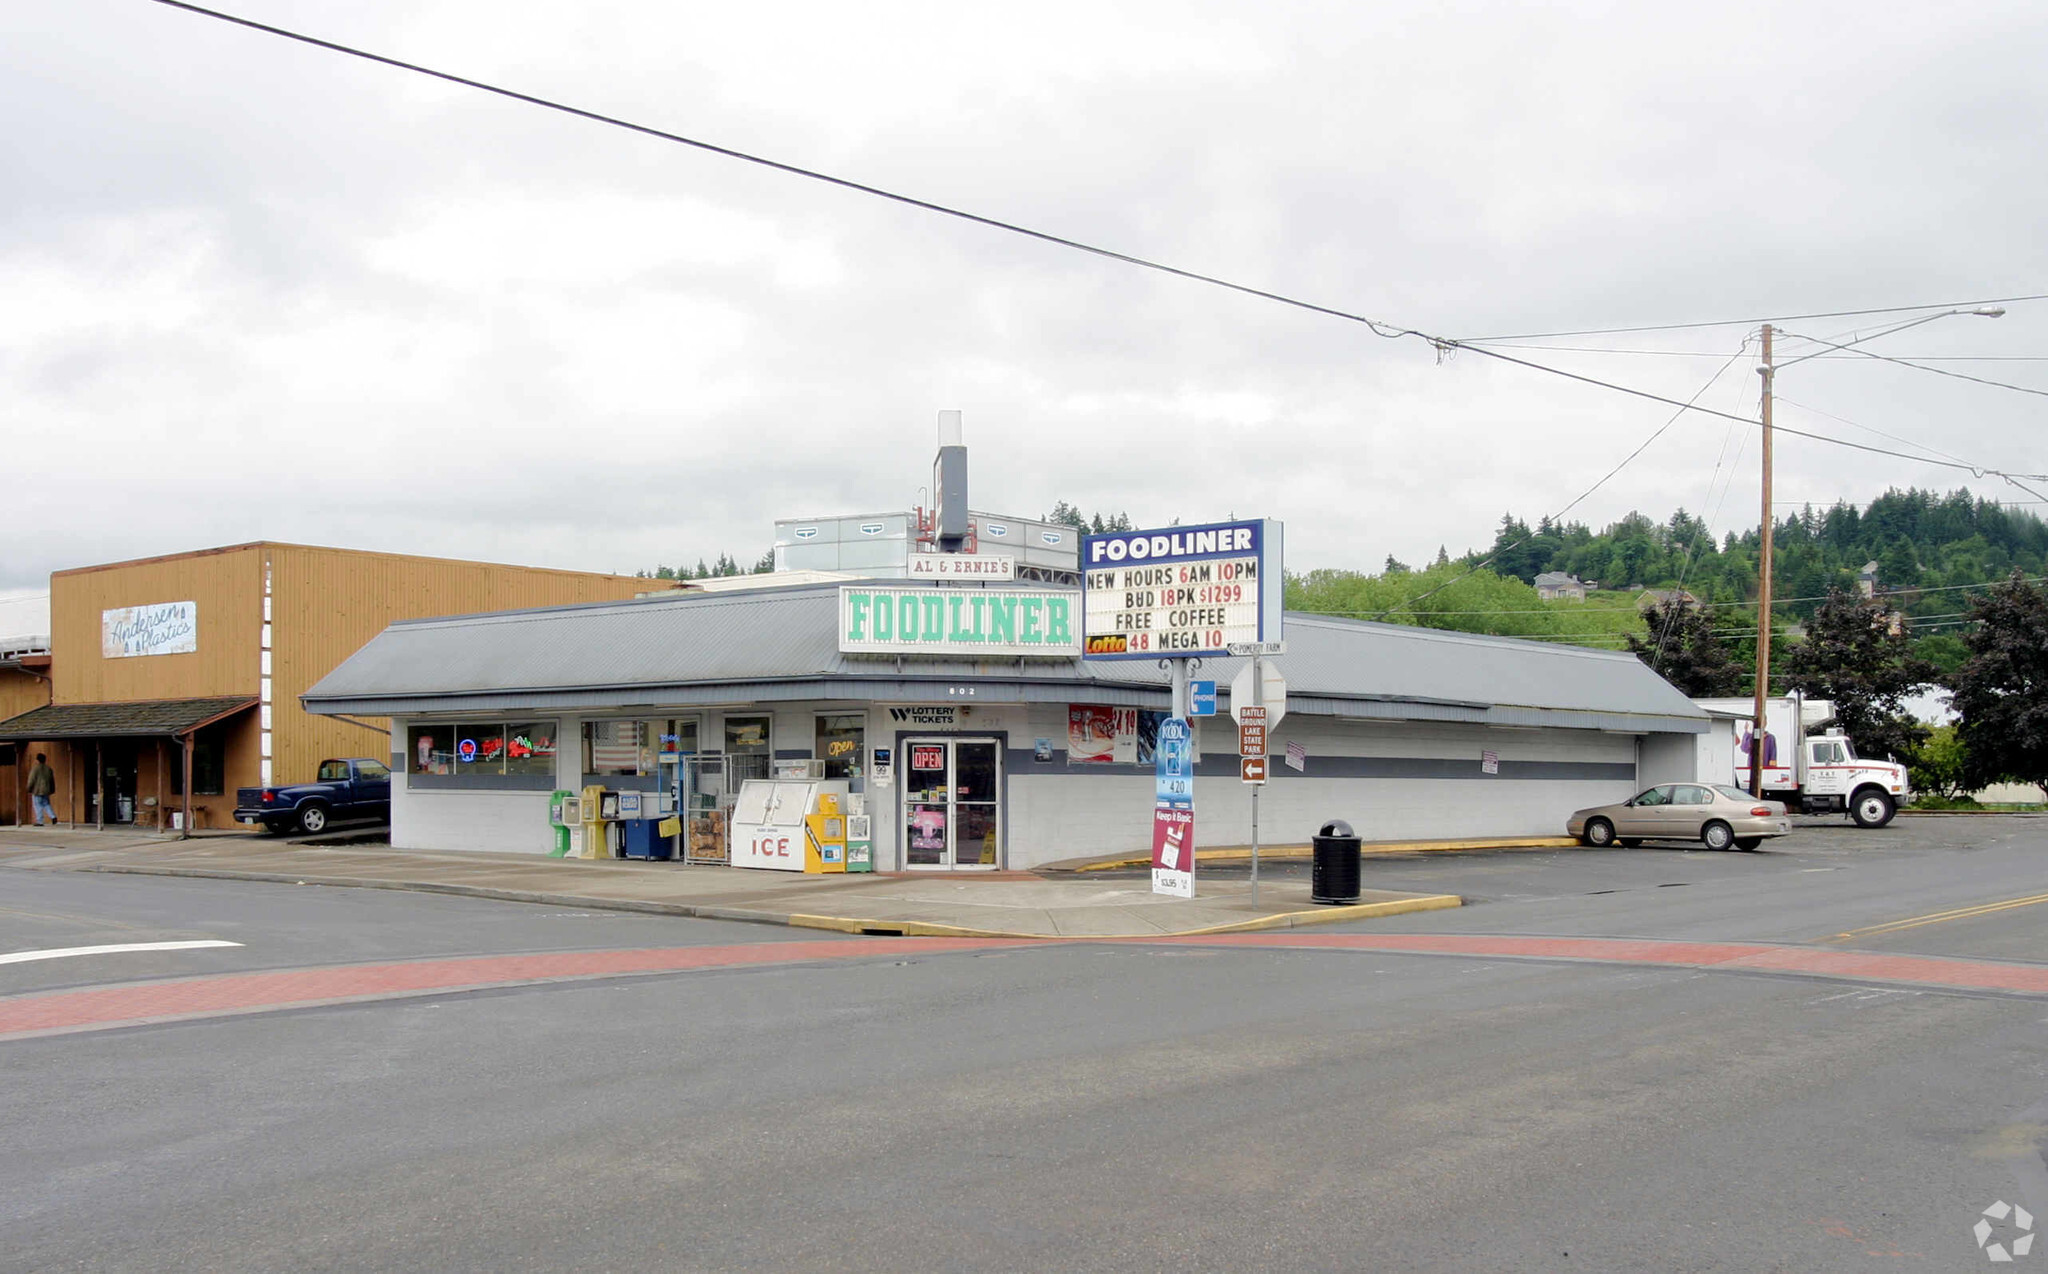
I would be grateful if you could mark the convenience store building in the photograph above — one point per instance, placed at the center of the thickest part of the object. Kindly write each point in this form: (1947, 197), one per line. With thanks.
(970, 730)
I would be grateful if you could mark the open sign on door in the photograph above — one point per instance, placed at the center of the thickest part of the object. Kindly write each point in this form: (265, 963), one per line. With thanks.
(933, 758)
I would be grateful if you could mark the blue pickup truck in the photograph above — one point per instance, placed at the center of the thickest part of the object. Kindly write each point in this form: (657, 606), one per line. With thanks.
(357, 787)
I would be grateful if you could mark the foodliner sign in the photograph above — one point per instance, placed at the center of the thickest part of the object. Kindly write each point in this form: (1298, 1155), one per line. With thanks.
(970, 623)
(1181, 591)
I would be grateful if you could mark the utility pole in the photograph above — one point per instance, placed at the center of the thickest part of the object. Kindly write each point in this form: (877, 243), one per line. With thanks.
(1758, 734)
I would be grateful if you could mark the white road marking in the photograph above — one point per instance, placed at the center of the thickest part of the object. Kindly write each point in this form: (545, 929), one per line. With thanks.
(59, 953)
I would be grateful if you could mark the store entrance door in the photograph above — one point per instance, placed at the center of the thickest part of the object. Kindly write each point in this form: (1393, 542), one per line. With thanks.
(952, 804)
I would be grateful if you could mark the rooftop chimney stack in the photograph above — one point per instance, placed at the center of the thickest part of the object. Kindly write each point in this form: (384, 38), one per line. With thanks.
(949, 486)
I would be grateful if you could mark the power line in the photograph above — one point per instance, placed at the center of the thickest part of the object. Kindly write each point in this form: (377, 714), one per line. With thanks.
(1388, 331)
(1707, 353)
(1750, 322)
(1938, 371)
(1682, 409)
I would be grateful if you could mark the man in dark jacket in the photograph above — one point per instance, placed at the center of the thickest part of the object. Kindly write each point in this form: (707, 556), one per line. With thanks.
(42, 785)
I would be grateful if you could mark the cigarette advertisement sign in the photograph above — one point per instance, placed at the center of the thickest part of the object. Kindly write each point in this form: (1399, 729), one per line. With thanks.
(167, 628)
(1173, 850)
(957, 623)
(1173, 764)
(1180, 592)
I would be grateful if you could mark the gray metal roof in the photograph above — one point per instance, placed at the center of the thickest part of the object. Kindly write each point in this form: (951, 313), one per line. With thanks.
(782, 644)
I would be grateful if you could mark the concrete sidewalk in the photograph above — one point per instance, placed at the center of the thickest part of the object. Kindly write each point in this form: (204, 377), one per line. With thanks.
(1010, 905)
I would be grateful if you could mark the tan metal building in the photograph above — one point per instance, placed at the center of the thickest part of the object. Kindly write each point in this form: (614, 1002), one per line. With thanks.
(24, 684)
(183, 673)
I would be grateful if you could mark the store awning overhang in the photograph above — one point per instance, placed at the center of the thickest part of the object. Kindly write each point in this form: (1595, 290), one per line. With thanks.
(147, 719)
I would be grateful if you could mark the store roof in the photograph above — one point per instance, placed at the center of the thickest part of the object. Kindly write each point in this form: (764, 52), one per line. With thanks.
(781, 644)
(156, 718)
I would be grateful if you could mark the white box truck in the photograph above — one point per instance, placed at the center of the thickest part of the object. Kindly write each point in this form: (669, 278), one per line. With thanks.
(1810, 766)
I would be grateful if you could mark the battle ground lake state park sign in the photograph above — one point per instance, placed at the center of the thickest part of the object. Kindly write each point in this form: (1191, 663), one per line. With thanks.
(972, 623)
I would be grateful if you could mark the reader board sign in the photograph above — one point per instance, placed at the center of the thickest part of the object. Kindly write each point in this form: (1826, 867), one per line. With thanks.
(167, 628)
(957, 623)
(985, 566)
(1182, 591)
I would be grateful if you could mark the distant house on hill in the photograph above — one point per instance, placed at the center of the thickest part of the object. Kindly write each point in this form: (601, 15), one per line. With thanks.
(1556, 586)
(1664, 597)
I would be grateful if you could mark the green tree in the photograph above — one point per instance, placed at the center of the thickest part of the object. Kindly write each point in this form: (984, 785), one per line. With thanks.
(2001, 691)
(1683, 648)
(1859, 655)
(1941, 764)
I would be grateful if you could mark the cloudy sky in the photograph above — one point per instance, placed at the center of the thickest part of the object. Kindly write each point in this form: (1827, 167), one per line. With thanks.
(258, 290)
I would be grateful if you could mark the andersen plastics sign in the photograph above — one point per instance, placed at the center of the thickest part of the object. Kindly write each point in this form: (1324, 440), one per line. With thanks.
(1182, 591)
(960, 623)
(167, 628)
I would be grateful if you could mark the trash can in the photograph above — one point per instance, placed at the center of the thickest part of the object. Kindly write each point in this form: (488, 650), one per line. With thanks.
(1337, 865)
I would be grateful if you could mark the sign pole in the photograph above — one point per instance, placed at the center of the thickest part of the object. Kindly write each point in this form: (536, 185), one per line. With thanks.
(1259, 682)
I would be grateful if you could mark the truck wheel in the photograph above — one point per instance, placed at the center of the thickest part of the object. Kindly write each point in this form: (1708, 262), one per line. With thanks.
(1717, 835)
(1599, 833)
(1872, 808)
(312, 819)
(276, 826)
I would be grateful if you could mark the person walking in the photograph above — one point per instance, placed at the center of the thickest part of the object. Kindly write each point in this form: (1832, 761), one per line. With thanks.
(42, 785)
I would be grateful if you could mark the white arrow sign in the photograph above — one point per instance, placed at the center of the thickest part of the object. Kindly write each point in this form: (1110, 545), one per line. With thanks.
(1272, 696)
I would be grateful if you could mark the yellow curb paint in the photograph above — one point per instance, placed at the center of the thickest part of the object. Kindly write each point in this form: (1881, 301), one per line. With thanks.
(1331, 915)
(906, 928)
(1280, 853)
(1281, 920)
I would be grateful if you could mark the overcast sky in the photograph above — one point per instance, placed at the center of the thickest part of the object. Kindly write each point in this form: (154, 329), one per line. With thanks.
(256, 290)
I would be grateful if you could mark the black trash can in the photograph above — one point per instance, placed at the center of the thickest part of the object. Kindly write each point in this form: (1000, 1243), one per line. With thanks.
(1337, 865)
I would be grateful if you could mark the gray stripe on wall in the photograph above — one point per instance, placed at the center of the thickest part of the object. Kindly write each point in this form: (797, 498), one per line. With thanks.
(481, 782)
(1019, 762)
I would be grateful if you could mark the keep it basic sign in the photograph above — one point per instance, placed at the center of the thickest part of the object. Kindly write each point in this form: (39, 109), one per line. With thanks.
(1181, 591)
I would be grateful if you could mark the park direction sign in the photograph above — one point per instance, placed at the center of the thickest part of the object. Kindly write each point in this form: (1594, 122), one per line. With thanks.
(1181, 592)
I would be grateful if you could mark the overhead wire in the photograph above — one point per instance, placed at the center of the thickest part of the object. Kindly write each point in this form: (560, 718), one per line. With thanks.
(1626, 460)
(1938, 371)
(1749, 322)
(1390, 331)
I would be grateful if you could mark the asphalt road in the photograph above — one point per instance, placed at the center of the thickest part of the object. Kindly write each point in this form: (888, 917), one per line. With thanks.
(1057, 1106)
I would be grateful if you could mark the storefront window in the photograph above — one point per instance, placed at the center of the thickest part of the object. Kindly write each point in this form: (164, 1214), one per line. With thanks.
(483, 750)
(679, 735)
(430, 749)
(530, 747)
(747, 736)
(480, 749)
(612, 749)
(840, 739)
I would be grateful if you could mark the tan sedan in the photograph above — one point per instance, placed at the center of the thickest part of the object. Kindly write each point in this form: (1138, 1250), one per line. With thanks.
(1715, 816)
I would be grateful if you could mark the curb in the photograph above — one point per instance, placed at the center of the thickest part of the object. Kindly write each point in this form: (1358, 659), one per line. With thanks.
(1301, 853)
(797, 920)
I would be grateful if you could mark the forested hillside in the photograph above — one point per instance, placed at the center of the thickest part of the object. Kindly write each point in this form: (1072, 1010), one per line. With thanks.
(1920, 540)
(1932, 552)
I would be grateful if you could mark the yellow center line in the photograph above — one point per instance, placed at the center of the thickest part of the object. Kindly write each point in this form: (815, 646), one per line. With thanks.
(1937, 917)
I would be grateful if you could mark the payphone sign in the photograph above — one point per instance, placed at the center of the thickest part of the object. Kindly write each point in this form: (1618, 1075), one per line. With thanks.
(1180, 592)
